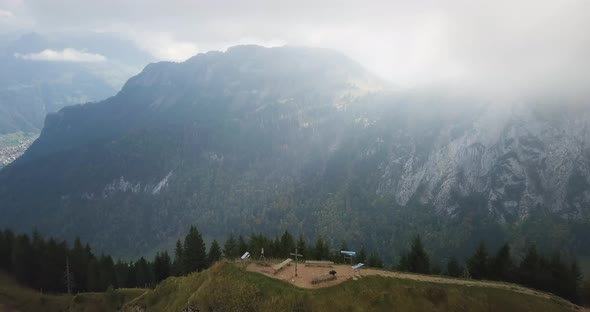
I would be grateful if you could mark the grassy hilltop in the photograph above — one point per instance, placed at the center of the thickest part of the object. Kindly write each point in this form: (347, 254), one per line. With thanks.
(226, 287)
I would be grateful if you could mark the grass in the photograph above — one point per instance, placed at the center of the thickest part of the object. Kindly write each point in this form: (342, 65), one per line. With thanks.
(25, 299)
(226, 287)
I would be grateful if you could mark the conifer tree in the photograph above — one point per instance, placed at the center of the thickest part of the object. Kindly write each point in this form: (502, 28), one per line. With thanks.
(195, 253)
(178, 265)
(478, 264)
(161, 266)
(242, 246)
(301, 246)
(93, 276)
(122, 274)
(287, 244)
(106, 269)
(375, 261)
(23, 260)
(79, 259)
(501, 265)
(230, 247)
(142, 273)
(362, 255)
(418, 260)
(454, 269)
(6, 244)
(214, 254)
(321, 250)
(404, 263)
(530, 267)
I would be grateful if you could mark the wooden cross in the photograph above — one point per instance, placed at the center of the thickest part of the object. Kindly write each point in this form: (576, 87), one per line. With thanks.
(296, 254)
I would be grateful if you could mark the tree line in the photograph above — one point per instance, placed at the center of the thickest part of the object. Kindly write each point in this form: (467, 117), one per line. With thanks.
(535, 270)
(52, 266)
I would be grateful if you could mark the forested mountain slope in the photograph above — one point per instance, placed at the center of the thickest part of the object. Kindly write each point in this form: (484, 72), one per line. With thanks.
(262, 140)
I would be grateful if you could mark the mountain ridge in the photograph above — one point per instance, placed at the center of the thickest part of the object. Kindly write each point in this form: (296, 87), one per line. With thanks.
(260, 139)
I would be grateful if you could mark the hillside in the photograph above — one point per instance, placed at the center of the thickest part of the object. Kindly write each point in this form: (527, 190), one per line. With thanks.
(266, 139)
(226, 287)
(15, 298)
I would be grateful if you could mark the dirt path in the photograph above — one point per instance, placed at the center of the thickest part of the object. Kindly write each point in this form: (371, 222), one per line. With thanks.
(345, 272)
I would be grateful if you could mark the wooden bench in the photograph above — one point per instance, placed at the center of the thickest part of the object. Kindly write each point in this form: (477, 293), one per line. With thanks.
(315, 263)
(281, 265)
(323, 278)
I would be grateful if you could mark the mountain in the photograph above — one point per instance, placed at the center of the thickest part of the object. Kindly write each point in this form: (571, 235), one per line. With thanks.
(266, 139)
(32, 87)
(34, 81)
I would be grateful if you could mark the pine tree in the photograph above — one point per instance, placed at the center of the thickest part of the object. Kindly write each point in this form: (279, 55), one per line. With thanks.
(301, 246)
(195, 253)
(362, 255)
(502, 265)
(404, 263)
(23, 261)
(6, 243)
(242, 246)
(321, 250)
(79, 259)
(375, 261)
(454, 269)
(161, 266)
(418, 260)
(178, 265)
(122, 274)
(529, 267)
(574, 283)
(106, 269)
(37, 265)
(230, 247)
(214, 254)
(287, 244)
(142, 273)
(478, 263)
(93, 276)
(53, 267)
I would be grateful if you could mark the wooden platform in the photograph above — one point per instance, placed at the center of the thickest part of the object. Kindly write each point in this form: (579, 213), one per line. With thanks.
(281, 265)
(315, 263)
(323, 278)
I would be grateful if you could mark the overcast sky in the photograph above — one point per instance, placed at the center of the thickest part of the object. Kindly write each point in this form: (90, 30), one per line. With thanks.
(508, 47)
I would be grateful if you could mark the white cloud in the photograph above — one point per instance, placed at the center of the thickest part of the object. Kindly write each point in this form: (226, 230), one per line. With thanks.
(165, 47)
(66, 55)
(504, 46)
(5, 14)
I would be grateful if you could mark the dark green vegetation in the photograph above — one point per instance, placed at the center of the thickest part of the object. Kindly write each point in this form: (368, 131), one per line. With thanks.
(225, 287)
(553, 275)
(23, 299)
(267, 140)
(42, 265)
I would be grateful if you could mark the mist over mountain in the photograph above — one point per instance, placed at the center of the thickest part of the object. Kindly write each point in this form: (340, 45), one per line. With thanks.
(266, 139)
(43, 73)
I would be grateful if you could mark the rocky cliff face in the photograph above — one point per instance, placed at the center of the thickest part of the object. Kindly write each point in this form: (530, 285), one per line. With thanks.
(516, 157)
(259, 139)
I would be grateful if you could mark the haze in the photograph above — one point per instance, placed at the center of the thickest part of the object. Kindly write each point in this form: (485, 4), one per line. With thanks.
(503, 49)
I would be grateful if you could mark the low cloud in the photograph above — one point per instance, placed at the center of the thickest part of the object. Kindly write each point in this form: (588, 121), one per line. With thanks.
(66, 55)
(164, 46)
(5, 14)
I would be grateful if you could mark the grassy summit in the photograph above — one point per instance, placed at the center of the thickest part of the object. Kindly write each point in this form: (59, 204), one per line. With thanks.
(227, 287)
